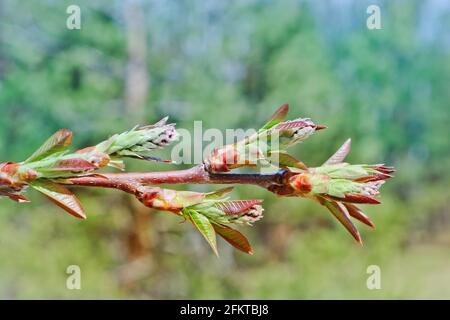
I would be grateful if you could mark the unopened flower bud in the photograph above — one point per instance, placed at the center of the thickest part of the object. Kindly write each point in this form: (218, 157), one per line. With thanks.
(166, 136)
(253, 215)
(236, 211)
(344, 182)
(167, 199)
(339, 186)
(140, 141)
(222, 159)
(295, 131)
(233, 156)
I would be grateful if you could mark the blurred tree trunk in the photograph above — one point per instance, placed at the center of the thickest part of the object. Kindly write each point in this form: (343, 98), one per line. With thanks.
(2, 54)
(137, 77)
(136, 95)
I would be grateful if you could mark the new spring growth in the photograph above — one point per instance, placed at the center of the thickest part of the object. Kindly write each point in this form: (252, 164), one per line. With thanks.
(52, 163)
(138, 143)
(339, 186)
(13, 180)
(53, 159)
(210, 213)
(336, 185)
(268, 145)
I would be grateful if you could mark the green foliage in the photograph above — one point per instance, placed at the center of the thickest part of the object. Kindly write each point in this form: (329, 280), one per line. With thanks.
(204, 227)
(57, 143)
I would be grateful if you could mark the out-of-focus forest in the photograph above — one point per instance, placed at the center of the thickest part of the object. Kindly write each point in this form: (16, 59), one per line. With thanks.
(230, 64)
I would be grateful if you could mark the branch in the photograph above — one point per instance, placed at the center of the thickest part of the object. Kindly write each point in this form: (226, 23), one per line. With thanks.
(336, 185)
(129, 181)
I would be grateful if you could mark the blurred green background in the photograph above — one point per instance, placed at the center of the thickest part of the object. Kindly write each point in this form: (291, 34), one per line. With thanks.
(230, 64)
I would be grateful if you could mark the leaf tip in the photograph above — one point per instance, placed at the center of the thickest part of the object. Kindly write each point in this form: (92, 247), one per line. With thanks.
(320, 127)
(284, 109)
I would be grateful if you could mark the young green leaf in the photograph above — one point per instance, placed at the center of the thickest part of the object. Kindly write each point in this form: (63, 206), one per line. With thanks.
(219, 193)
(205, 228)
(61, 196)
(286, 160)
(58, 142)
(276, 117)
(234, 237)
(185, 198)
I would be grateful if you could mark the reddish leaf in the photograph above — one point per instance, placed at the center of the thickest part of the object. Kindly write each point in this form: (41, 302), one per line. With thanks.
(58, 142)
(61, 196)
(359, 198)
(375, 177)
(219, 193)
(340, 212)
(234, 237)
(386, 170)
(354, 198)
(356, 213)
(18, 197)
(76, 164)
(340, 154)
(237, 206)
(320, 127)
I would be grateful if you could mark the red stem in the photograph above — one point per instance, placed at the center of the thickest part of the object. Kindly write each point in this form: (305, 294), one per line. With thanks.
(129, 181)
